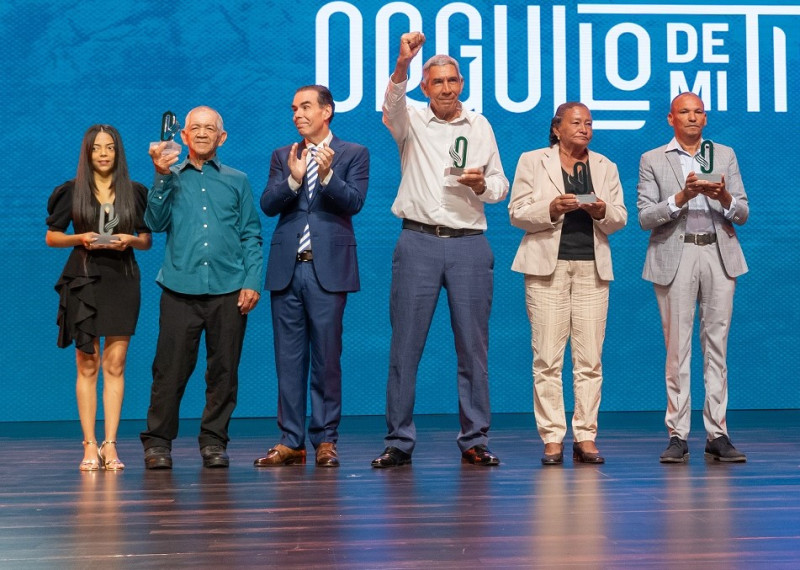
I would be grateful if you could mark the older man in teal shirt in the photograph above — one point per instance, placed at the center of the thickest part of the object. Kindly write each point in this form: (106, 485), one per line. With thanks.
(210, 280)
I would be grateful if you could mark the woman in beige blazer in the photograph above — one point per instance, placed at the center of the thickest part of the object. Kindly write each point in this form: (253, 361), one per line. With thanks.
(568, 199)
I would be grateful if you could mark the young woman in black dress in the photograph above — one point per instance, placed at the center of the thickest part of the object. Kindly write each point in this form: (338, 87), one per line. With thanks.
(99, 286)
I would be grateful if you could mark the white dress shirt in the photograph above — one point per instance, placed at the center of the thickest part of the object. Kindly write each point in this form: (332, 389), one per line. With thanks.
(426, 193)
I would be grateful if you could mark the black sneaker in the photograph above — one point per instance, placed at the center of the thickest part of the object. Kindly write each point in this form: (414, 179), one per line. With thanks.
(676, 452)
(721, 449)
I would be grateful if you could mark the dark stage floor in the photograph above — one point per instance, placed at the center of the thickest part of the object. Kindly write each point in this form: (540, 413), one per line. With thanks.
(631, 512)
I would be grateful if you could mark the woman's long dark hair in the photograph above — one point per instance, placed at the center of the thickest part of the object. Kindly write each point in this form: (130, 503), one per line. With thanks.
(83, 206)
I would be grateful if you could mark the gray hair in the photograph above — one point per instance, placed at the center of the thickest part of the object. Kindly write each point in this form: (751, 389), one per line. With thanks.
(439, 60)
(219, 123)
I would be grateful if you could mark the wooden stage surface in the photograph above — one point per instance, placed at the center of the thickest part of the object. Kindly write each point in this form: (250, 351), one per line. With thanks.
(632, 512)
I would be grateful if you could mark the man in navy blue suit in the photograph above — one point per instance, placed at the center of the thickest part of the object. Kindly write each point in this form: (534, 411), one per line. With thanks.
(315, 186)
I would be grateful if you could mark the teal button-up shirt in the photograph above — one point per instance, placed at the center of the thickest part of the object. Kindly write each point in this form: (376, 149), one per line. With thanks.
(213, 230)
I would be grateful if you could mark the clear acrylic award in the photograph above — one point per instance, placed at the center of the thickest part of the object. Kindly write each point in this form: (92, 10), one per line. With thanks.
(105, 226)
(458, 152)
(580, 183)
(705, 158)
(169, 128)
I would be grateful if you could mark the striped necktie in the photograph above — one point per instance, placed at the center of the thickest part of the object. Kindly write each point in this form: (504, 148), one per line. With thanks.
(311, 183)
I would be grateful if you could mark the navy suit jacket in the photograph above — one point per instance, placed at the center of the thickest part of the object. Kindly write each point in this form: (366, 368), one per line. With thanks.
(329, 216)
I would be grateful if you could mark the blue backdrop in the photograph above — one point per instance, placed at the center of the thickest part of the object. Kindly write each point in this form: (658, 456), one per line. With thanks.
(67, 65)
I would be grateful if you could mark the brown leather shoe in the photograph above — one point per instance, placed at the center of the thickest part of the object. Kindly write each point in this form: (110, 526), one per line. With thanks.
(326, 455)
(281, 455)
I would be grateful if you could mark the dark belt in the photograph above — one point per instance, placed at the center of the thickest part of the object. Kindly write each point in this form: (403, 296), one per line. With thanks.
(700, 239)
(305, 255)
(439, 231)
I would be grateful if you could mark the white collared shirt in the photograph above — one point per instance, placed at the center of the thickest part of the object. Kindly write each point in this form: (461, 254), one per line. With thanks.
(426, 194)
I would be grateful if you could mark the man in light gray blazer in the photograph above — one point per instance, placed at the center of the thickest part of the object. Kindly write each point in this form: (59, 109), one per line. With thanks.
(693, 258)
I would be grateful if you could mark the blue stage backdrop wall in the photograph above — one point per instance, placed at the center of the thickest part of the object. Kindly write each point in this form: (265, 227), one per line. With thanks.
(67, 65)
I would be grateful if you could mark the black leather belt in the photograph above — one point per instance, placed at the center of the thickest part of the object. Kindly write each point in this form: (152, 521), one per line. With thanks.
(700, 239)
(305, 255)
(439, 231)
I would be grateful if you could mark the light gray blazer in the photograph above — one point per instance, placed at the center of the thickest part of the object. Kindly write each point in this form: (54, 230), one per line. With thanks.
(661, 176)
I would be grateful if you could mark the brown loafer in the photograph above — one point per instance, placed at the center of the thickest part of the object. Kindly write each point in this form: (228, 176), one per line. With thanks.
(281, 455)
(326, 455)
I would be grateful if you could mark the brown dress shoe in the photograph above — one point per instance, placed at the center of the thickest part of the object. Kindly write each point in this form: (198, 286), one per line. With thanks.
(281, 455)
(326, 455)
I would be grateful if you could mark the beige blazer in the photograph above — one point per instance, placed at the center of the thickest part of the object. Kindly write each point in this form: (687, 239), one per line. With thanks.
(537, 181)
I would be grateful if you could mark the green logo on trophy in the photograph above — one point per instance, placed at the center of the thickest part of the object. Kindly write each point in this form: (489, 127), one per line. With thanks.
(169, 128)
(458, 152)
(705, 158)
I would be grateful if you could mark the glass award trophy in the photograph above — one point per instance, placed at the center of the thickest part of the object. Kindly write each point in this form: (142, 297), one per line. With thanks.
(458, 152)
(169, 128)
(107, 222)
(580, 183)
(705, 158)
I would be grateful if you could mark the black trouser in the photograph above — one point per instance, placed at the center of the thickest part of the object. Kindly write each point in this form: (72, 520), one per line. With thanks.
(181, 323)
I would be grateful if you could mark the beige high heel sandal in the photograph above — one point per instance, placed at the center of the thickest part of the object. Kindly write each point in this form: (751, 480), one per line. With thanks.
(112, 464)
(90, 464)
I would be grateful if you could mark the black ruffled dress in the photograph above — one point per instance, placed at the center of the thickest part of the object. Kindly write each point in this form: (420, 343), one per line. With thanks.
(99, 293)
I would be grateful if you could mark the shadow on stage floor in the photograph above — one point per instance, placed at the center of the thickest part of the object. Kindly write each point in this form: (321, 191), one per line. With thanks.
(632, 512)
